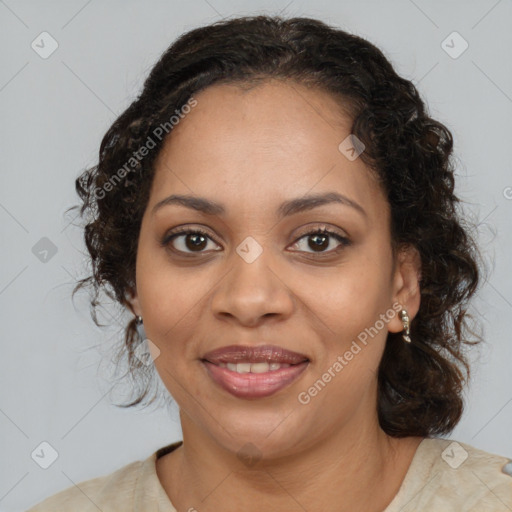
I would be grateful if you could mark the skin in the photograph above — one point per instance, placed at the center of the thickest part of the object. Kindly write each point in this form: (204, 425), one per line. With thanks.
(250, 150)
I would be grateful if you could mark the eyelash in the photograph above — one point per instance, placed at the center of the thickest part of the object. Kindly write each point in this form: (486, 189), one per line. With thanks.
(170, 237)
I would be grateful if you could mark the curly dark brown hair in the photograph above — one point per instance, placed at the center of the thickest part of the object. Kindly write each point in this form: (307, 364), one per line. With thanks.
(421, 384)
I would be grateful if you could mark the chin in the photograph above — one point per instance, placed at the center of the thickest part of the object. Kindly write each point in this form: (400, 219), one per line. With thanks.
(271, 434)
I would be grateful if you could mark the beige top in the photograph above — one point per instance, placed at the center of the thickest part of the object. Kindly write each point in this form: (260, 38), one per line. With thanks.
(444, 476)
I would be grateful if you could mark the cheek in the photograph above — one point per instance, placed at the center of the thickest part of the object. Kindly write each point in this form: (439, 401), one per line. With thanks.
(166, 295)
(349, 298)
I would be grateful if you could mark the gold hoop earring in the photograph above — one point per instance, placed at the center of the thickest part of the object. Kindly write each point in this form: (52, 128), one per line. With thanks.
(406, 322)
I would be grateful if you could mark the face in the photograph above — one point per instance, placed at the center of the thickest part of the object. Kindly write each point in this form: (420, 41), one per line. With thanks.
(268, 268)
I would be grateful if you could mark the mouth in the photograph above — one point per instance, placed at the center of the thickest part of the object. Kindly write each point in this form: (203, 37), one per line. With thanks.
(254, 372)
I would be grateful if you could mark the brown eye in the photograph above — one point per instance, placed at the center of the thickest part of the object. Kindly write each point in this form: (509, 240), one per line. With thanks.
(318, 241)
(188, 241)
(321, 239)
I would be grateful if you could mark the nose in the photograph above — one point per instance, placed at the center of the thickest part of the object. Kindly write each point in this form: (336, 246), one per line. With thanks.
(251, 292)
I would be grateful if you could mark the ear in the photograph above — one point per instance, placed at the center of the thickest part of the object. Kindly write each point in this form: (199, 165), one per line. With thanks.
(132, 301)
(406, 285)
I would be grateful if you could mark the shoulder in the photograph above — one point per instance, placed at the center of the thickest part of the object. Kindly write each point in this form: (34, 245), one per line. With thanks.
(132, 487)
(447, 475)
(105, 492)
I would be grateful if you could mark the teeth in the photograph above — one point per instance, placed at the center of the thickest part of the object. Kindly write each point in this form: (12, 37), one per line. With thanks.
(259, 367)
(243, 367)
(253, 367)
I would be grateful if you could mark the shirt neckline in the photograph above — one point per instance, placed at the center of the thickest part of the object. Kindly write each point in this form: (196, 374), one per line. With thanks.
(418, 474)
(420, 466)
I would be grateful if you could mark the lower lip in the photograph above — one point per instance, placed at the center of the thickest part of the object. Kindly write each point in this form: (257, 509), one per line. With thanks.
(254, 385)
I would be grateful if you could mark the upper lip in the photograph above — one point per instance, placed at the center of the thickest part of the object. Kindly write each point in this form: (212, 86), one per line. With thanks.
(254, 354)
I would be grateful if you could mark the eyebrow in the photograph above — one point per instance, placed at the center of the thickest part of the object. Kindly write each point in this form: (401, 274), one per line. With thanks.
(287, 208)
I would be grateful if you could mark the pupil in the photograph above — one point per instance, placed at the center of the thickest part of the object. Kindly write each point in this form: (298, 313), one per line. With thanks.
(198, 241)
(320, 245)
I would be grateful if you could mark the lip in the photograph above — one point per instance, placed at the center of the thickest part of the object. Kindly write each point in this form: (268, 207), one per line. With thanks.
(254, 385)
(257, 354)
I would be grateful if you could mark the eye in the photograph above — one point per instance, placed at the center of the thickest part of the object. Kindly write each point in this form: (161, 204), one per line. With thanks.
(188, 240)
(319, 240)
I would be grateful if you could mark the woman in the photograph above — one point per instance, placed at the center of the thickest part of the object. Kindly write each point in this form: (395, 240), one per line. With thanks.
(278, 209)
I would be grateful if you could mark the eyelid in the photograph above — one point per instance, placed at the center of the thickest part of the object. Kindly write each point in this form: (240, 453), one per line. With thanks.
(184, 230)
(314, 228)
(343, 240)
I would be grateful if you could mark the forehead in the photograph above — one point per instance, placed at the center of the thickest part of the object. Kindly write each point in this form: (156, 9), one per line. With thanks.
(263, 144)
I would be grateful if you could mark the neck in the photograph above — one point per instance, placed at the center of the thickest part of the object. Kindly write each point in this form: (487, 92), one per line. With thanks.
(354, 469)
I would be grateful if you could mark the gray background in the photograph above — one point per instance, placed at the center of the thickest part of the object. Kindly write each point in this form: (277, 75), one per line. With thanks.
(54, 113)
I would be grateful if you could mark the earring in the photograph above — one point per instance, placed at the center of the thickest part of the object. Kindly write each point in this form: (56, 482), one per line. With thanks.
(140, 328)
(406, 321)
